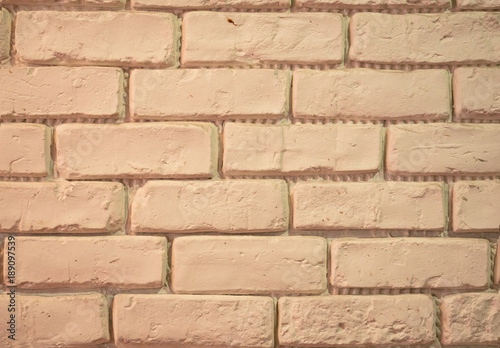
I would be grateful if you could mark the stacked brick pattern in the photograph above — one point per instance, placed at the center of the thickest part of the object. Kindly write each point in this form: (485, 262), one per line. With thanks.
(239, 173)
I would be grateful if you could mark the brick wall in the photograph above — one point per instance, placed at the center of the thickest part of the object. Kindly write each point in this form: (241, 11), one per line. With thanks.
(250, 173)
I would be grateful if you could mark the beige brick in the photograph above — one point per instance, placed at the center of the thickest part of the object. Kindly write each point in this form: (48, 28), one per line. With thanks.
(25, 149)
(145, 150)
(443, 149)
(209, 94)
(410, 263)
(89, 262)
(171, 321)
(372, 94)
(476, 92)
(61, 207)
(5, 28)
(77, 320)
(356, 321)
(368, 4)
(215, 38)
(301, 149)
(496, 274)
(248, 265)
(106, 4)
(61, 92)
(98, 38)
(368, 205)
(476, 206)
(470, 319)
(443, 38)
(215, 206)
(211, 4)
(478, 4)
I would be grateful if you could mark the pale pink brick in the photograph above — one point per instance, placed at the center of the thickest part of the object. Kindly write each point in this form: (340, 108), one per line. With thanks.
(301, 149)
(356, 321)
(478, 4)
(443, 38)
(89, 262)
(214, 38)
(209, 94)
(410, 263)
(62, 207)
(476, 206)
(171, 321)
(5, 28)
(105, 4)
(230, 206)
(76, 320)
(443, 149)
(477, 93)
(61, 92)
(470, 320)
(25, 149)
(142, 150)
(248, 265)
(210, 4)
(368, 206)
(368, 4)
(98, 38)
(372, 94)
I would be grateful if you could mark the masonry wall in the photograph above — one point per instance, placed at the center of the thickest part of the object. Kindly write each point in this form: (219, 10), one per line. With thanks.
(250, 173)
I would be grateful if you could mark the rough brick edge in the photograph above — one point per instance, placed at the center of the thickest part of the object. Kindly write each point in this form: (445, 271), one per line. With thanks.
(410, 67)
(444, 178)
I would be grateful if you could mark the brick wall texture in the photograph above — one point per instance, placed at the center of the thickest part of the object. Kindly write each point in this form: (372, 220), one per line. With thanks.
(249, 173)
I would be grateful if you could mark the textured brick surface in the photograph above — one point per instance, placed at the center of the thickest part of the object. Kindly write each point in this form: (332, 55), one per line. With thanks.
(371, 94)
(478, 4)
(98, 38)
(470, 319)
(442, 263)
(389, 205)
(61, 207)
(5, 29)
(211, 4)
(106, 4)
(211, 38)
(301, 149)
(185, 320)
(476, 205)
(209, 94)
(76, 320)
(476, 93)
(249, 265)
(25, 149)
(211, 206)
(425, 38)
(155, 150)
(356, 321)
(368, 4)
(61, 92)
(90, 262)
(446, 149)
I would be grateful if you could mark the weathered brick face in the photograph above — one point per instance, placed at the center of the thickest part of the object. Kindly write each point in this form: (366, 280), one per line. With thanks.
(250, 173)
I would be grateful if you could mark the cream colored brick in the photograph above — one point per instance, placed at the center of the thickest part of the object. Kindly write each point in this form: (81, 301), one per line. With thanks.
(61, 92)
(89, 262)
(470, 319)
(61, 207)
(102, 4)
(368, 4)
(442, 38)
(209, 94)
(25, 149)
(476, 93)
(215, 38)
(372, 94)
(171, 321)
(368, 205)
(301, 149)
(76, 320)
(210, 4)
(5, 28)
(131, 39)
(476, 206)
(478, 4)
(141, 150)
(215, 206)
(410, 263)
(356, 321)
(443, 148)
(248, 265)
